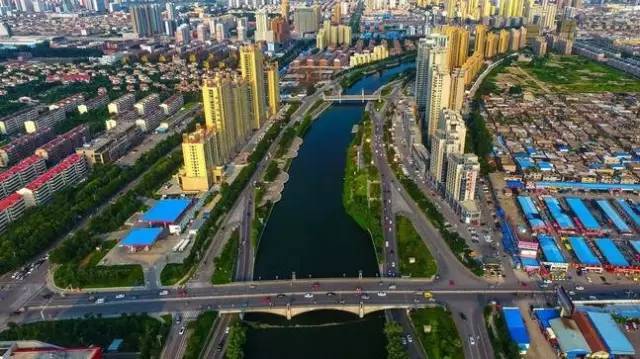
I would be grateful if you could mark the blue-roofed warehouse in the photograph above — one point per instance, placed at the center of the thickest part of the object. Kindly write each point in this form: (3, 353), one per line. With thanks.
(585, 217)
(613, 216)
(588, 186)
(141, 238)
(583, 252)
(570, 340)
(611, 253)
(562, 219)
(531, 212)
(517, 330)
(544, 315)
(629, 212)
(166, 211)
(550, 250)
(613, 338)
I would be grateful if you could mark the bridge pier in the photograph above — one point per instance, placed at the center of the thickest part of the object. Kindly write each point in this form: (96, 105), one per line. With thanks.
(361, 310)
(289, 311)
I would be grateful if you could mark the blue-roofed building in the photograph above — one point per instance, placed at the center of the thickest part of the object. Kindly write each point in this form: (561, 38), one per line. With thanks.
(166, 211)
(588, 186)
(141, 238)
(613, 338)
(544, 315)
(570, 340)
(517, 330)
(551, 251)
(562, 219)
(545, 166)
(583, 252)
(611, 253)
(524, 163)
(629, 212)
(613, 216)
(531, 213)
(588, 221)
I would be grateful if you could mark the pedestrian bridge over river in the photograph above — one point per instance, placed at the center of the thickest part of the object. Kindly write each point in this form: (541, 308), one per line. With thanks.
(352, 98)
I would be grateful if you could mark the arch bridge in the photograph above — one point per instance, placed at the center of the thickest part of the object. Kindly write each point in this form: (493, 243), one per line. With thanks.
(289, 311)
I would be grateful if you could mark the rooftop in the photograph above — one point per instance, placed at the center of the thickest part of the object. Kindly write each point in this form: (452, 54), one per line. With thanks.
(166, 210)
(613, 338)
(141, 237)
(569, 336)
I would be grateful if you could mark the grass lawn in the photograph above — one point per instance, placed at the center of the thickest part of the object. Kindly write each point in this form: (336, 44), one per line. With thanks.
(442, 341)
(410, 245)
(225, 262)
(579, 74)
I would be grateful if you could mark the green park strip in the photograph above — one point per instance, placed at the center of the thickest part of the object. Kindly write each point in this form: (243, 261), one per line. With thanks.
(198, 333)
(174, 273)
(361, 195)
(395, 349)
(141, 334)
(456, 243)
(226, 262)
(437, 333)
(415, 259)
(237, 340)
(503, 346)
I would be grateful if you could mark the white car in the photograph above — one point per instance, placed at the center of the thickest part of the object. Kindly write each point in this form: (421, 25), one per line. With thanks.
(472, 341)
(382, 294)
(308, 295)
(579, 287)
(181, 331)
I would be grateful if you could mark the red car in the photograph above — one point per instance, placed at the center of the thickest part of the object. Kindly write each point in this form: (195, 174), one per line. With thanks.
(266, 300)
(315, 285)
(451, 283)
(358, 290)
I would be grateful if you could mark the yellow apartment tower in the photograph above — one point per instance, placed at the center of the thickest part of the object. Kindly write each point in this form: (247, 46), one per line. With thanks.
(273, 88)
(252, 70)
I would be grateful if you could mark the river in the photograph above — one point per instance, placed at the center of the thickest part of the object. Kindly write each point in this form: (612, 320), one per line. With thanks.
(310, 233)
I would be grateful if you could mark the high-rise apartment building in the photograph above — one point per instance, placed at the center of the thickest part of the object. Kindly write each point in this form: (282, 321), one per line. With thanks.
(481, 39)
(147, 19)
(447, 140)
(183, 34)
(199, 172)
(456, 94)
(462, 174)
(438, 87)
(273, 88)
(262, 25)
(432, 52)
(458, 45)
(503, 41)
(491, 47)
(305, 19)
(284, 9)
(252, 70)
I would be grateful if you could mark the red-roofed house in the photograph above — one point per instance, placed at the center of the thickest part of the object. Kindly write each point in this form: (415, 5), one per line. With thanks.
(20, 174)
(11, 208)
(67, 173)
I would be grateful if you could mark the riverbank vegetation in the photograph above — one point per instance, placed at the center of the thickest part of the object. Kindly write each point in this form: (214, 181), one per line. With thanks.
(395, 350)
(226, 262)
(236, 341)
(501, 342)
(361, 196)
(415, 258)
(141, 334)
(437, 333)
(199, 330)
(354, 74)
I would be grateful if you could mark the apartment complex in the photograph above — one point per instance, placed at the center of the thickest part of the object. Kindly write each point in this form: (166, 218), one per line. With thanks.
(23, 146)
(67, 173)
(14, 122)
(200, 170)
(448, 139)
(113, 144)
(20, 174)
(273, 88)
(122, 104)
(64, 145)
(11, 208)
